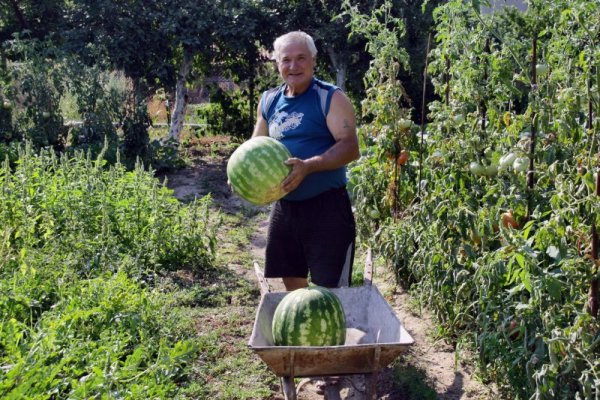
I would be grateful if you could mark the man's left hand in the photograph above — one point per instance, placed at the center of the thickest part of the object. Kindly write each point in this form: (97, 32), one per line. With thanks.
(300, 169)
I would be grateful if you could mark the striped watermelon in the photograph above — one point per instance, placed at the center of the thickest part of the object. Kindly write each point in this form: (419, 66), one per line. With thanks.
(255, 169)
(311, 316)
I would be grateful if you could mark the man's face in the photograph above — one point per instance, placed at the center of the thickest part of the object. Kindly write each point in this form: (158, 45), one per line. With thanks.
(296, 65)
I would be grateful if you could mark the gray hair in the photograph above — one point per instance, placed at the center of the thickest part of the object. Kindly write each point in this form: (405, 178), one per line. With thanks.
(294, 37)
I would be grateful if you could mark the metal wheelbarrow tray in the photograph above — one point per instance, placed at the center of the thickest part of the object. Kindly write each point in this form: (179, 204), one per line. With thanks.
(374, 338)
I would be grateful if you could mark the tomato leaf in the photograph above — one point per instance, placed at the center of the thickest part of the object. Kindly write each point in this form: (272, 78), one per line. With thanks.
(527, 229)
(588, 179)
(520, 259)
(553, 286)
(526, 280)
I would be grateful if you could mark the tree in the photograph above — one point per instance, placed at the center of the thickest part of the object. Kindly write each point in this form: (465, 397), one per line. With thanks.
(346, 59)
(318, 18)
(241, 55)
(36, 18)
(171, 43)
(190, 28)
(125, 35)
(418, 24)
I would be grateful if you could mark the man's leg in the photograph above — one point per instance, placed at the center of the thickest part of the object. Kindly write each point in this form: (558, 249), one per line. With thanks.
(292, 283)
(283, 254)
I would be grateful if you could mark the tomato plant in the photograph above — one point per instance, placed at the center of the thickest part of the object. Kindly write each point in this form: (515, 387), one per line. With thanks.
(503, 259)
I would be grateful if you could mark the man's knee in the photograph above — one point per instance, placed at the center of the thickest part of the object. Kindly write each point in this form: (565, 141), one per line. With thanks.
(293, 283)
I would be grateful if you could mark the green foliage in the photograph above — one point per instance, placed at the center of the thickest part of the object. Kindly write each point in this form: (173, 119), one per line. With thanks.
(101, 98)
(136, 140)
(101, 336)
(517, 295)
(82, 246)
(237, 120)
(50, 83)
(37, 19)
(212, 115)
(133, 37)
(377, 181)
(110, 214)
(164, 155)
(40, 85)
(7, 130)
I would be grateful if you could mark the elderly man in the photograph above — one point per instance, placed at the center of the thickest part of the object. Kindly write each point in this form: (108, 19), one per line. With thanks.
(312, 229)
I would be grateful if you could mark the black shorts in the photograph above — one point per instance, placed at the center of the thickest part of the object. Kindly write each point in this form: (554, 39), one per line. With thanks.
(314, 235)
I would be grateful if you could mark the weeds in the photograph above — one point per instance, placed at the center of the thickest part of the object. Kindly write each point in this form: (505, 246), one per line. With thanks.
(82, 247)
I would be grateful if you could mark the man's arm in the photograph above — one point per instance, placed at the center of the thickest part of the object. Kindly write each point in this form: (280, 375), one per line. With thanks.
(341, 122)
(261, 128)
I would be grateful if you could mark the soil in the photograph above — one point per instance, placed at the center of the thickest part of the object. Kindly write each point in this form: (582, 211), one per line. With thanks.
(431, 367)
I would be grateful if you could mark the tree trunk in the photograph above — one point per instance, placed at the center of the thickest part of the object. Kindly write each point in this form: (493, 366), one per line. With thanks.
(178, 116)
(341, 68)
(19, 14)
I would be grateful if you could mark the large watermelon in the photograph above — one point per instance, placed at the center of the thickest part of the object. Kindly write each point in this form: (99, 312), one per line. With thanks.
(256, 169)
(311, 316)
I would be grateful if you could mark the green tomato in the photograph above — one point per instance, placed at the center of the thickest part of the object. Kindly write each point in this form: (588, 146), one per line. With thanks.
(458, 119)
(404, 124)
(6, 104)
(521, 164)
(524, 135)
(476, 168)
(541, 69)
(374, 213)
(436, 156)
(506, 160)
(491, 170)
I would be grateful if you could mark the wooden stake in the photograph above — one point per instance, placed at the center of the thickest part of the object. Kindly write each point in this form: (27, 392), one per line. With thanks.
(530, 176)
(593, 296)
(423, 113)
(447, 80)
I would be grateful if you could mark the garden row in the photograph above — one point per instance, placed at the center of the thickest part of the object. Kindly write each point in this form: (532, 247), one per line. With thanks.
(492, 223)
(85, 246)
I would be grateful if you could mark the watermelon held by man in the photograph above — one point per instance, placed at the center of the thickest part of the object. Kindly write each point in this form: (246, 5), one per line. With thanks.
(311, 316)
(256, 170)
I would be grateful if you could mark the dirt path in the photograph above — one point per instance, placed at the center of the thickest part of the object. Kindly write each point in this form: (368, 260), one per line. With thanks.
(429, 370)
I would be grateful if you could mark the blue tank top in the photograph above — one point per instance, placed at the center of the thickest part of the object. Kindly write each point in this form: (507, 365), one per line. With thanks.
(299, 122)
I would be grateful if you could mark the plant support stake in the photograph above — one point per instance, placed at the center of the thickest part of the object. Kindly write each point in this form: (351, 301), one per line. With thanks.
(423, 114)
(447, 73)
(530, 176)
(593, 299)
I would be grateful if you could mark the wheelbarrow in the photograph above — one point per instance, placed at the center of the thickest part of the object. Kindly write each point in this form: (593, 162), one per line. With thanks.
(374, 338)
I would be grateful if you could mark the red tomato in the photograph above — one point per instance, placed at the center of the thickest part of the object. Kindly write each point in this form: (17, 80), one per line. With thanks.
(509, 221)
(403, 158)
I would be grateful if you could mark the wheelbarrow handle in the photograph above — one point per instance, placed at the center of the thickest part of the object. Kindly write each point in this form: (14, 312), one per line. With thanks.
(264, 285)
(368, 273)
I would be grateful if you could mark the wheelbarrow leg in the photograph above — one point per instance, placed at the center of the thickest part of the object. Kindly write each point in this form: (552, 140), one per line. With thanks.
(371, 382)
(371, 385)
(288, 387)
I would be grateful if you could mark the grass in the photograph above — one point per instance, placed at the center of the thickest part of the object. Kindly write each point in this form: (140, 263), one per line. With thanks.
(222, 306)
(231, 370)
